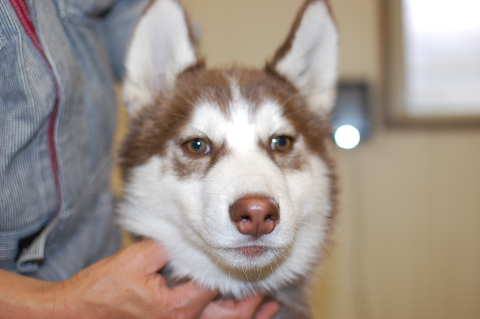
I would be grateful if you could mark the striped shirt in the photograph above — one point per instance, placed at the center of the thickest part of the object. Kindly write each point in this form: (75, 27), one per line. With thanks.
(58, 63)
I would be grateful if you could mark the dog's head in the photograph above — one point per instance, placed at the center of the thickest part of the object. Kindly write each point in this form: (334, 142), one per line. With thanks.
(230, 168)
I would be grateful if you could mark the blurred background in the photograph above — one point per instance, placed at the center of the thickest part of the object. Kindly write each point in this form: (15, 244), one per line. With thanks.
(407, 244)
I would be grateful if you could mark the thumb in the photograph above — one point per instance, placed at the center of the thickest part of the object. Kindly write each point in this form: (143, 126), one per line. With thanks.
(149, 255)
(268, 310)
(194, 295)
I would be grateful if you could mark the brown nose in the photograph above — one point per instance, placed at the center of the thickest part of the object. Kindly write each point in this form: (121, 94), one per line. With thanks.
(255, 215)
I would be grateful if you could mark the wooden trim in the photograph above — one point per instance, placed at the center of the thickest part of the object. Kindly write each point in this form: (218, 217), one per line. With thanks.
(393, 112)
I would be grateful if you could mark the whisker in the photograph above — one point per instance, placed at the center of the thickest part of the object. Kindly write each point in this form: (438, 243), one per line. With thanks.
(332, 223)
(293, 113)
(191, 102)
(291, 98)
(326, 247)
(179, 115)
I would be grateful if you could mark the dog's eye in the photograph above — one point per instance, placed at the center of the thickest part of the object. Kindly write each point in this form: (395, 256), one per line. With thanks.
(197, 146)
(281, 143)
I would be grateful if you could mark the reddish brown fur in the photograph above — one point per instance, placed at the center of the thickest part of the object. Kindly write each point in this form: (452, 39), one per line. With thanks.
(159, 123)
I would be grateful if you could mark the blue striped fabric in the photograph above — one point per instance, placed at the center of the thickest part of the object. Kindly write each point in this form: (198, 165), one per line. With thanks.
(44, 235)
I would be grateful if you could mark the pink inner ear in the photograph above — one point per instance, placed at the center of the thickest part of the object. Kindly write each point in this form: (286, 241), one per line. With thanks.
(287, 45)
(309, 56)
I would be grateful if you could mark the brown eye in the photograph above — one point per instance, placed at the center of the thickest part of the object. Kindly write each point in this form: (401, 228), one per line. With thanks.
(281, 143)
(197, 146)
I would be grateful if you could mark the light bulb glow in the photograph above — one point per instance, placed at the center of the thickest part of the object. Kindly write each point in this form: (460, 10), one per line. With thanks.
(347, 136)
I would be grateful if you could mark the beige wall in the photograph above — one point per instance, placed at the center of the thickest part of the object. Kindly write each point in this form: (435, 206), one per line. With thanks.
(408, 244)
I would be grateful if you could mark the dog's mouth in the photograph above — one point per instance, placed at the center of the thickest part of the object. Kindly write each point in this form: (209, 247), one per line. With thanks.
(252, 251)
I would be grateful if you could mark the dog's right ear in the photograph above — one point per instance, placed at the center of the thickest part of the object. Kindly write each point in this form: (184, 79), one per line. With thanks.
(161, 48)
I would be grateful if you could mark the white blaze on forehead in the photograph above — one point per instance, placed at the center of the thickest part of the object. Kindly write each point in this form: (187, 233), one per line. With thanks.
(191, 216)
(242, 126)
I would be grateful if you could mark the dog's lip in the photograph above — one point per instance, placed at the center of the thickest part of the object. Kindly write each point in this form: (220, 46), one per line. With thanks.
(252, 251)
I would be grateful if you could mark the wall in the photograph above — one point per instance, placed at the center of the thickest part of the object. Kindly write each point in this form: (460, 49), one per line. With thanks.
(408, 238)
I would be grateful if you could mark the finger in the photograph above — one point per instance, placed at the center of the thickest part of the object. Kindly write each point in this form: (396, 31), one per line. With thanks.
(244, 308)
(195, 296)
(248, 306)
(149, 254)
(229, 308)
(268, 310)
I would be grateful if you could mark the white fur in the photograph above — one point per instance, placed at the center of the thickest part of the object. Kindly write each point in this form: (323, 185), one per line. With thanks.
(190, 216)
(312, 61)
(159, 51)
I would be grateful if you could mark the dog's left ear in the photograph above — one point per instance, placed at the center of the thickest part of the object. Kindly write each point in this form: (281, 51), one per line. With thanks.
(162, 46)
(309, 56)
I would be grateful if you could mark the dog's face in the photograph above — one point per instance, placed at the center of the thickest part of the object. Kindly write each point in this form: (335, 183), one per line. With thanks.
(229, 168)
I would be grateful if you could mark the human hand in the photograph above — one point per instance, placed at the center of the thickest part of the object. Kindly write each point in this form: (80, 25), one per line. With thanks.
(127, 285)
(248, 308)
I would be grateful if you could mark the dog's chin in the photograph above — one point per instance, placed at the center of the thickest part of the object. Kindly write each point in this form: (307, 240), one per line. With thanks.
(252, 251)
(247, 257)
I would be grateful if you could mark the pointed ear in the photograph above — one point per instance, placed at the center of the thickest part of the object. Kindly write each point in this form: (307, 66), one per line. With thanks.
(309, 56)
(161, 48)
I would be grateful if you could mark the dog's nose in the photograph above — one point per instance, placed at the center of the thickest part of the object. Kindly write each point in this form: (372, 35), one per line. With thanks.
(255, 215)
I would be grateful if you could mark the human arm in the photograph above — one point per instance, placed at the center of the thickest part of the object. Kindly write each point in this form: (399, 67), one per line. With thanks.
(23, 297)
(125, 285)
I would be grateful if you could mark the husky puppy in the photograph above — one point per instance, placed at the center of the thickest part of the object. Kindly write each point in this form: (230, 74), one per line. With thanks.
(230, 169)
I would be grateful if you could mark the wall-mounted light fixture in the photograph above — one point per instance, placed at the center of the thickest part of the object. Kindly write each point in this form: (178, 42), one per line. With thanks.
(351, 116)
